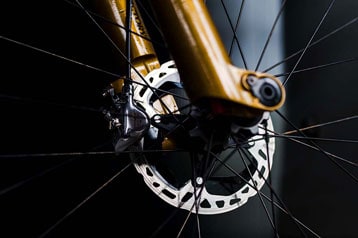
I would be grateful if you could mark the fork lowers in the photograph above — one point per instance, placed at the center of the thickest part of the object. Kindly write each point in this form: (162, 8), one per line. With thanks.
(209, 76)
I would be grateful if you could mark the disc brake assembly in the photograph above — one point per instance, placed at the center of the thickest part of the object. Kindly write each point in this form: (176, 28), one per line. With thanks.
(187, 157)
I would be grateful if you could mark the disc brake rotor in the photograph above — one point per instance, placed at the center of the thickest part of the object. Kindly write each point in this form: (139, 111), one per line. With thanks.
(228, 187)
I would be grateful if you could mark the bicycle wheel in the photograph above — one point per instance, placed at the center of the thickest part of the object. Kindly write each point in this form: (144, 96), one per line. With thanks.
(50, 190)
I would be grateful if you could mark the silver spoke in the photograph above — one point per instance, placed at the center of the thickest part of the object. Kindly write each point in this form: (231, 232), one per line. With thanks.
(309, 42)
(76, 208)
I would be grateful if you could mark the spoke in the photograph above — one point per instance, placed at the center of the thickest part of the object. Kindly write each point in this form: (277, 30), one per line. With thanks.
(314, 138)
(225, 160)
(271, 220)
(57, 154)
(153, 89)
(322, 124)
(319, 66)
(42, 173)
(266, 197)
(128, 42)
(207, 159)
(33, 177)
(150, 17)
(164, 223)
(124, 56)
(205, 175)
(176, 127)
(327, 154)
(270, 35)
(245, 143)
(58, 56)
(35, 101)
(82, 153)
(184, 223)
(309, 42)
(56, 224)
(171, 216)
(103, 32)
(115, 24)
(330, 154)
(86, 65)
(236, 26)
(272, 190)
(267, 139)
(234, 34)
(183, 108)
(315, 148)
(205, 178)
(313, 43)
(196, 197)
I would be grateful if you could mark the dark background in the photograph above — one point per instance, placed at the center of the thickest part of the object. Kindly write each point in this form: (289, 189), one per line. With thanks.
(40, 100)
(322, 194)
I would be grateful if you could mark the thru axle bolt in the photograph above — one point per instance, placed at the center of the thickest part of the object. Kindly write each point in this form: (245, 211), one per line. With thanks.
(266, 90)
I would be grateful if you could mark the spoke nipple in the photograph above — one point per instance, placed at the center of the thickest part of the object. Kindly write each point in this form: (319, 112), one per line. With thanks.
(199, 180)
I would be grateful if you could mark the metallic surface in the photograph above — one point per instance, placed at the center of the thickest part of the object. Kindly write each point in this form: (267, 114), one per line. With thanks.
(143, 56)
(135, 125)
(175, 196)
(209, 73)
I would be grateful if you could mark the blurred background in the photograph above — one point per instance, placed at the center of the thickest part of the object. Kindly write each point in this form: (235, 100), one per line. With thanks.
(52, 105)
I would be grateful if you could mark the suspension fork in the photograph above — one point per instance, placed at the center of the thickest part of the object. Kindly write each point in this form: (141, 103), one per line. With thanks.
(127, 120)
(143, 57)
(204, 66)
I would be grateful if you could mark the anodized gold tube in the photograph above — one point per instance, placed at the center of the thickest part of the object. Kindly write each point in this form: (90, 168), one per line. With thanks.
(202, 61)
(143, 56)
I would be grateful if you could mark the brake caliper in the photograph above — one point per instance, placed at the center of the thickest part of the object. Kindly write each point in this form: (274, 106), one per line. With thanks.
(128, 121)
